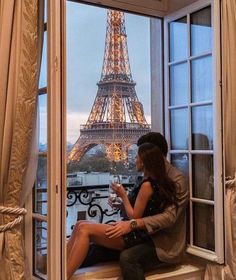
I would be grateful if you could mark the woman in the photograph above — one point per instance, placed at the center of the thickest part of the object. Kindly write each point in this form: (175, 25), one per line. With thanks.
(154, 194)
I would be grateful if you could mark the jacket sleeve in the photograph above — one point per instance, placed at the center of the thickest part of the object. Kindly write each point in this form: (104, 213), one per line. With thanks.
(160, 221)
(170, 215)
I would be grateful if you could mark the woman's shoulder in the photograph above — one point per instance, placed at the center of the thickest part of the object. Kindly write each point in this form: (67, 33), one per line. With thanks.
(150, 181)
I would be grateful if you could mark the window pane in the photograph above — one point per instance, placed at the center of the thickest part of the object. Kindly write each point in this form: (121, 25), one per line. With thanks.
(201, 142)
(202, 127)
(203, 226)
(40, 248)
(42, 122)
(181, 161)
(179, 129)
(202, 79)
(202, 171)
(45, 10)
(201, 31)
(40, 189)
(179, 84)
(43, 69)
(178, 34)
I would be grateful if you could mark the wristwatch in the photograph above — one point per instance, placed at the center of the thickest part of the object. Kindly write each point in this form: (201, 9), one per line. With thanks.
(133, 224)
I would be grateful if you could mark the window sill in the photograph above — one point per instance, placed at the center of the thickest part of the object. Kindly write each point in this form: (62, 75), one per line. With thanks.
(111, 271)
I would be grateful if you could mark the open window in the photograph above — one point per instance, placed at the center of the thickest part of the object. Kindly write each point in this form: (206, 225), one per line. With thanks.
(108, 105)
(193, 119)
(184, 103)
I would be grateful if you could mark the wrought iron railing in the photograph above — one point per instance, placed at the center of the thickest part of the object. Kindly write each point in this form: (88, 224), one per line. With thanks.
(84, 202)
(90, 203)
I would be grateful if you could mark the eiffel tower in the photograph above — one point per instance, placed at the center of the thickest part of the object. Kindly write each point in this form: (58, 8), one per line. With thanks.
(117, 118)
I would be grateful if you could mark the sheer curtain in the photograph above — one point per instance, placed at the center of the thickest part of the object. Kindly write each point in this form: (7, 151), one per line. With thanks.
(229, 89)
(20, 49)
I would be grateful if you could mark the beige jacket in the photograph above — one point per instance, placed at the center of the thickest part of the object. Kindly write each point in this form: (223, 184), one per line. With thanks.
(168, 229)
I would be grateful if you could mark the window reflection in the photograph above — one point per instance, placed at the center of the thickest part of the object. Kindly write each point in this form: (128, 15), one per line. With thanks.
(200, 142)
(203, 231)
(40, 241)
(179, 129)
(45, 10)
(181, 162)
(202, 172)
(201, 31)
(40, 189)
(202, 124)
(42, 99)
(43, 69)
(178, 84)
(201, 79)
(178, 39)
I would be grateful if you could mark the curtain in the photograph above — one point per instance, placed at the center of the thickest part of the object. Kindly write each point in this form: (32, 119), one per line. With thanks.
(228, 271)
(229, 90)
(19, 71)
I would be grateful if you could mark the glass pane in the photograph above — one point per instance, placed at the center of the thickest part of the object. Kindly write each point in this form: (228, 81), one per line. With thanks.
(203, 226)
(45, 10)
(201, 72)
(179, 129)
(42, 122)
(202, 171)
(40, 189)
(202, 128)
(201, 142)
(178, 84)
(201, 31)
(181, 162)
(40, 248)
(178, 34)
(43, 69)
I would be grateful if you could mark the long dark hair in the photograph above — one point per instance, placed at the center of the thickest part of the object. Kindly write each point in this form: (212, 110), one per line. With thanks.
(154, 167)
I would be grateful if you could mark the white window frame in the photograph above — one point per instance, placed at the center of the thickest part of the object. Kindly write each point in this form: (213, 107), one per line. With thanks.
(218, 255)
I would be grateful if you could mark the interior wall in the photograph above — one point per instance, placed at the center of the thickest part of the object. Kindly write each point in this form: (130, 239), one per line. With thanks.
(174, 5)
(157, 8)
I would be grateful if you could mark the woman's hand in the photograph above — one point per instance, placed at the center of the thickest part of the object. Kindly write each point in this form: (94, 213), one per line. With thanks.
(118, 229)
(117, 204)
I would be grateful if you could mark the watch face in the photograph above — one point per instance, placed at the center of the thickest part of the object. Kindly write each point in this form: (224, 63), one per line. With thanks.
(133, 224)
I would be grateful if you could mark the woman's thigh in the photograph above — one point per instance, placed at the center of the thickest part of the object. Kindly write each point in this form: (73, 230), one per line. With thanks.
(98, 236)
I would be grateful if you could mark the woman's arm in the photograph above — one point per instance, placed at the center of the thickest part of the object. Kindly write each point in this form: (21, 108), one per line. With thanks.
(142, 199)
(144, 195)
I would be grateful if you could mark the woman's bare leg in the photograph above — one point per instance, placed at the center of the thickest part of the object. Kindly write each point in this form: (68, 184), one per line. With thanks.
(73, 235)
(83, 234)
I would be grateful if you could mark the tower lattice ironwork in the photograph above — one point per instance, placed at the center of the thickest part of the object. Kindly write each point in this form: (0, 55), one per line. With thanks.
(117, 118)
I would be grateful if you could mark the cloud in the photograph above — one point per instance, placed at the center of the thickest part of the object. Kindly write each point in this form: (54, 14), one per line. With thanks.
(74, 120)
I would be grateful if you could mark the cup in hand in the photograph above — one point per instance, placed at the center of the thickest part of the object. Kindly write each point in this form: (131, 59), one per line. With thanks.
(112, 193)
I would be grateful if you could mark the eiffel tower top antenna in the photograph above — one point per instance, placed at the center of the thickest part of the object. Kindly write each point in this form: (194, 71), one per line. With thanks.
(116, 60)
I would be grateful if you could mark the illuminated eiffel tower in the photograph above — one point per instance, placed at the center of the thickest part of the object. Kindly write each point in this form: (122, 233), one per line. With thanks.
(117, 118)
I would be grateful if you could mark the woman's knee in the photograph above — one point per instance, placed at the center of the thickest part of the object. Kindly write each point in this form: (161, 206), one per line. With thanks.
(81, 227)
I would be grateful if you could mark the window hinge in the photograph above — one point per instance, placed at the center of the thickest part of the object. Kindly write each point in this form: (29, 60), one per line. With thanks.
(56, 63)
